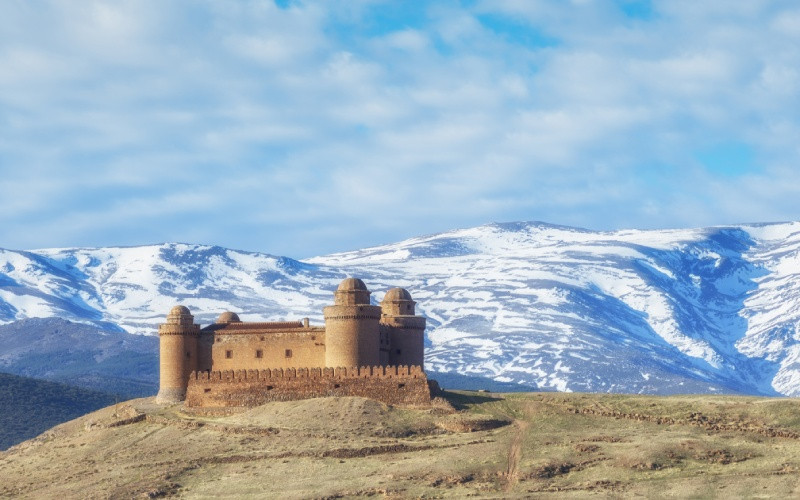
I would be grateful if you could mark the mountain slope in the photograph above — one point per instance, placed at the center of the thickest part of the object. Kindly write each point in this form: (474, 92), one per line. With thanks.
(30, 406)
(696, 310)
(635, 311)
(80, 355)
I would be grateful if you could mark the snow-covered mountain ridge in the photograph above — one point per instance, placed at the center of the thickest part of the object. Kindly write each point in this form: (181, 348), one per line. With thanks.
(694, 310)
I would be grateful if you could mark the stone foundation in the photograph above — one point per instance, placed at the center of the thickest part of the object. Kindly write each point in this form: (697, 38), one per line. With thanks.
(394, 385)
(170, 395)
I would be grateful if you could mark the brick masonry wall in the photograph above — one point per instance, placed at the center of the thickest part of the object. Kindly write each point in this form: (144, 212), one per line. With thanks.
(395, 385)
(277, 349)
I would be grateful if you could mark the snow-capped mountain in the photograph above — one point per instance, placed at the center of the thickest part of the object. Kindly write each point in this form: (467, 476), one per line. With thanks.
(695, 310)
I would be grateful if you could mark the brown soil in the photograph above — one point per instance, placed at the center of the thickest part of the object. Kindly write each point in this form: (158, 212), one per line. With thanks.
(559, 445)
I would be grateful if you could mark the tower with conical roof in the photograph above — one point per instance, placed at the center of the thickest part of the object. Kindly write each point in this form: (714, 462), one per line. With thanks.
(405, 330)
(178, 354)
(351, 327)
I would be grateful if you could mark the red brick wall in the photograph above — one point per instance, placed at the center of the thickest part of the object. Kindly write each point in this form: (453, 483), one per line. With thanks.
(393, 385)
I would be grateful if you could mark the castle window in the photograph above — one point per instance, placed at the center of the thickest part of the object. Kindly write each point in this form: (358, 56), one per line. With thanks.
(398, 351)
(400, 386)
(206, 390)
(188, 354)
(288, 353)
(259, 353)
(229, 354)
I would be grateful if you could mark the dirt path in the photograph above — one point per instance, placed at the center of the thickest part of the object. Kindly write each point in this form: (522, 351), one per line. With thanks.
(695, 419)
(515, 453)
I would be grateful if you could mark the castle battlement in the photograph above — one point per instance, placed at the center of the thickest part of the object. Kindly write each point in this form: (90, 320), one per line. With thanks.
(284, 373)
(400, 385)
(363, 350)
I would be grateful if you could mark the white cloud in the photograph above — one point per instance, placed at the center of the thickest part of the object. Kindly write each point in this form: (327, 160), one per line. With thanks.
(232, 122)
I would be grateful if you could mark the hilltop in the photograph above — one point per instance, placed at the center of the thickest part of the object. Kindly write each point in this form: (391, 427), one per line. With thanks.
(512, 445)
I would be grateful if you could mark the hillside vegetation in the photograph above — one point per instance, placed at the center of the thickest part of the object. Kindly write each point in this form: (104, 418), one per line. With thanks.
(491, 446)
(80, 355)
(29, 407)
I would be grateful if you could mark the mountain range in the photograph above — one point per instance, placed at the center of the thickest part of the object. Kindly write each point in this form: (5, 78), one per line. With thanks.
(708, 310)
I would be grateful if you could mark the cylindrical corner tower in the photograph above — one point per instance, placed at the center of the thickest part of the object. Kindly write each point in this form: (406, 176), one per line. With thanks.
(351, 327)
(406, 331)
(178, 354)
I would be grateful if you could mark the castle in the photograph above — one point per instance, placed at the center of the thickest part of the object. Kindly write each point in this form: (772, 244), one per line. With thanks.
(363, 350)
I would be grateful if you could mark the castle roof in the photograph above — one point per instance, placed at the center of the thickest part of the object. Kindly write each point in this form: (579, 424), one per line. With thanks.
(351, 285)
(397, 295)
(180, 315)
(259, 328)
(228, 317)
(179, 311)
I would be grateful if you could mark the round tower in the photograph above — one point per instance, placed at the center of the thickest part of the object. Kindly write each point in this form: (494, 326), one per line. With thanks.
(178, 354)
(351, 327)
(406, 330)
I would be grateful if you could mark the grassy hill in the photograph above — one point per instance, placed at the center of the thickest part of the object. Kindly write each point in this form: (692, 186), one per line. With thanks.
(491, 446)
(29, 407)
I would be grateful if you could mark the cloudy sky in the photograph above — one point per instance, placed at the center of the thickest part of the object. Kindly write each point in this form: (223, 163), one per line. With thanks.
(306, 127)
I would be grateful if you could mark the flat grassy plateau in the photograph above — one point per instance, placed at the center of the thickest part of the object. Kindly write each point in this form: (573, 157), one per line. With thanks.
(490, 446)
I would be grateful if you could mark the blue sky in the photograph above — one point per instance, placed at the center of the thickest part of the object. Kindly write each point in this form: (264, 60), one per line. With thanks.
(303, 128)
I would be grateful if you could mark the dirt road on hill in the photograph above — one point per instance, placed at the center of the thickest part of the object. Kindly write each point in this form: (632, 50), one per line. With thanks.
(515, 453)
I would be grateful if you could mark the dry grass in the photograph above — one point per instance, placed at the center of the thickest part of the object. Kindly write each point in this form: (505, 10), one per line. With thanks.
(560, 445)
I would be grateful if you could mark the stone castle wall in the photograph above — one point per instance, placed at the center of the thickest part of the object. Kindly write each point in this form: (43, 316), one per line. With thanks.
(395, 385)
(177, 360)
(352, 334)
(258, 351)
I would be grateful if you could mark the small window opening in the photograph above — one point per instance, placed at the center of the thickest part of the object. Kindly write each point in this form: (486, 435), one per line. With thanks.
(259, 353)
(207, 390)
(229, 354)
(336, 386)
(262, 338)
(188, 354)
(269, 387)
(288, 353)
(400, 386)
(398, 351)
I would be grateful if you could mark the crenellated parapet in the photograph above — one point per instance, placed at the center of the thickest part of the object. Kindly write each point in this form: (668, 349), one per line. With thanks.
(286, 373)
(398, 385)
